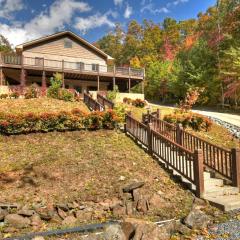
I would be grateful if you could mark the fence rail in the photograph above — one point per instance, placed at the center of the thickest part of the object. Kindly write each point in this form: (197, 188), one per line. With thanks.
(92, 104)
(104, 101)
(217, 158)
(187, 163)
(82, 67)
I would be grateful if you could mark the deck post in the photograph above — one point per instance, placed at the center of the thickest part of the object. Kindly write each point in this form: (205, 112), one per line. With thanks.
(198, 172)
(149, 138)
(44, 84)
(236, 167)
(23, 73)
(179, 133)
(63, 77)
(129, 80)
(114, 77)
(143, 81)
(1, 76)
(158, 113)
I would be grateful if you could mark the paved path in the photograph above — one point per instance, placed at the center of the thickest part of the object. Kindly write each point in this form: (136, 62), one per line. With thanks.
(227, 117)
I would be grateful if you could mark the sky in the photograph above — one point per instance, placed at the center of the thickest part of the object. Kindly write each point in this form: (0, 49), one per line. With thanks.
(24, 20)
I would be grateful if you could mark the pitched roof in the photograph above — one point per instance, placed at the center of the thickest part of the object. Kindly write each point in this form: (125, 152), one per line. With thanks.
(59, 34)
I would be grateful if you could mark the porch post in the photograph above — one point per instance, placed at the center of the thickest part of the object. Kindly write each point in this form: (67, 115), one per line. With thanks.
(63, 77)
(23, 73)
(98, 83)
(44, 84)
(1, 76)
(143, 81)
(129, 79)
(114, 75)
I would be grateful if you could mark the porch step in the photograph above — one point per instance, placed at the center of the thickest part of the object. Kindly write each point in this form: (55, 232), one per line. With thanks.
(225, 203)
(207, 175)
(213, 182)
(220, 191)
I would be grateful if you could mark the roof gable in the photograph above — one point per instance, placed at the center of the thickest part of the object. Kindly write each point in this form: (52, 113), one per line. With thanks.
(60, 35)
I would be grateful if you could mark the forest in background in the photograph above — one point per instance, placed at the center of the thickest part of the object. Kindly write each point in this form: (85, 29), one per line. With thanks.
(202, 54)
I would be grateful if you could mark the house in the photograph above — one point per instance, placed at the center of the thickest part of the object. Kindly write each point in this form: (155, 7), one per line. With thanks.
(84, 67)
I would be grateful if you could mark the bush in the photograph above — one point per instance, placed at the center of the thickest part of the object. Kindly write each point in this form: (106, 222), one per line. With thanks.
(138, 103)
(195, 121)
(111, 95)
(3, 96)
(56, 84)
(32, 92)
(61, 121)
(66, 95)
(15, 95)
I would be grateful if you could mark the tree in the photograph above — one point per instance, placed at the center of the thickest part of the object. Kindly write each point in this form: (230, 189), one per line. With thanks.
(5, 46)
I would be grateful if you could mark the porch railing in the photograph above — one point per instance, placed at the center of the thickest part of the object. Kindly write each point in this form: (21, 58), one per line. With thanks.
(104, 101)
(82, 67)
(92, 103)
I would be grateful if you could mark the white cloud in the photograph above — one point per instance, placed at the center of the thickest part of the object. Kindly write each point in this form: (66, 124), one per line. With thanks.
(83, 24)
(60, 13)
(152, 9)
(128, 11)
(8, 7)
(118, 2)
(176, 2)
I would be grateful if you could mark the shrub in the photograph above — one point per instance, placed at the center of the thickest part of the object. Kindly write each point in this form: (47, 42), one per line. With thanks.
(3, 96)
(61, 121)
(15, 95)
(56, 84)
(195, 121)
(66, 95)
(32, 92)
(111, 95)
(138, 103)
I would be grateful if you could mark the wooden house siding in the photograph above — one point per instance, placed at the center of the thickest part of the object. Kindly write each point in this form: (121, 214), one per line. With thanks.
(55, 50)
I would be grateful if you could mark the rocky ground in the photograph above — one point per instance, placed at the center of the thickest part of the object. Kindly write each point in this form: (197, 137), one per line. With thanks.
(61, 180)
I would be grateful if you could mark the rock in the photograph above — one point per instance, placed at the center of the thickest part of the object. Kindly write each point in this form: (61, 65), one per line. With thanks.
(61, 213)
(128, 229)
(129, 208)
(182, 229)
(197, 219)
(3, 214)
(133, 186)
(45, 214)
(122, 178)
(142, 205)
(62, 206)
(70, 220)
(119, 210)
(82, 215)
(156, 201)
(26, 212)
(114, 232)
(17, 221)
(36, 220)
(38, 238)
(127, 196)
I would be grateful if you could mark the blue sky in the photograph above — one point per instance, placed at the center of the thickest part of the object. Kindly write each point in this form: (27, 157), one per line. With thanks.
(23, 20)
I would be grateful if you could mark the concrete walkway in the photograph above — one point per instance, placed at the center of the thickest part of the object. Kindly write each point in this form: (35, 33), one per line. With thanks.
(227, 117)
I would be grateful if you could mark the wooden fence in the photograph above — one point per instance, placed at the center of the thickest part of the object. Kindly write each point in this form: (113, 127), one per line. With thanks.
(224, 161)
(104, 101)
(92, 104)
(187, 163)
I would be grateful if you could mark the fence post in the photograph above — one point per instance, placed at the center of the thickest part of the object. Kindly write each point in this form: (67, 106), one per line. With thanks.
(236, 167)
(158, 113)
(149, 137)
(198, 172)
(179, 133)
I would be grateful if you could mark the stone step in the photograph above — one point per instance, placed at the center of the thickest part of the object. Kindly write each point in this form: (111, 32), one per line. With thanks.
(212, 182)
(225, 203)
(206, 175)
(221, 191)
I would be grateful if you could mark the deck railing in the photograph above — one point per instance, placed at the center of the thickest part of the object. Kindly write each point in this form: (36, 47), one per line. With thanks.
(82, 67)
(187, 163)
(92, 104)
(221, 160)
(104, 101)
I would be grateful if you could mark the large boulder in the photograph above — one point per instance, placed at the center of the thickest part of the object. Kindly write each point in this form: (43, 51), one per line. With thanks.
(114, 232)
(197, 219)
(17, 221)
(130, 187)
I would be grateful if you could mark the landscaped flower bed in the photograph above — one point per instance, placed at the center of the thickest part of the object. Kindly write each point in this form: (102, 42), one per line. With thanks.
(56, 121)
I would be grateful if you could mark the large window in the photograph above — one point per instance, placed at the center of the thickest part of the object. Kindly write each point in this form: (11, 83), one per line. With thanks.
(67, 44)
(80, 66)
(38, 61)
(95, 67)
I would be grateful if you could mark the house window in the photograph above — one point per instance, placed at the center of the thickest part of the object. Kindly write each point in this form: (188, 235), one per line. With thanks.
(67, 44)
(95, 67)
(80, 66)
(38, 61)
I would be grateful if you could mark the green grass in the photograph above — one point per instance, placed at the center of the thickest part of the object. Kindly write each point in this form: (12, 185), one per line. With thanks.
(38, 105)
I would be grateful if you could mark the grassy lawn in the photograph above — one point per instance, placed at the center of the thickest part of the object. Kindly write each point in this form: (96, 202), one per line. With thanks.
(38, 105)
(82, 165)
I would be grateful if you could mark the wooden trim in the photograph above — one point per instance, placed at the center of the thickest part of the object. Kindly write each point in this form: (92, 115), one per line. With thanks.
(236, 167)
